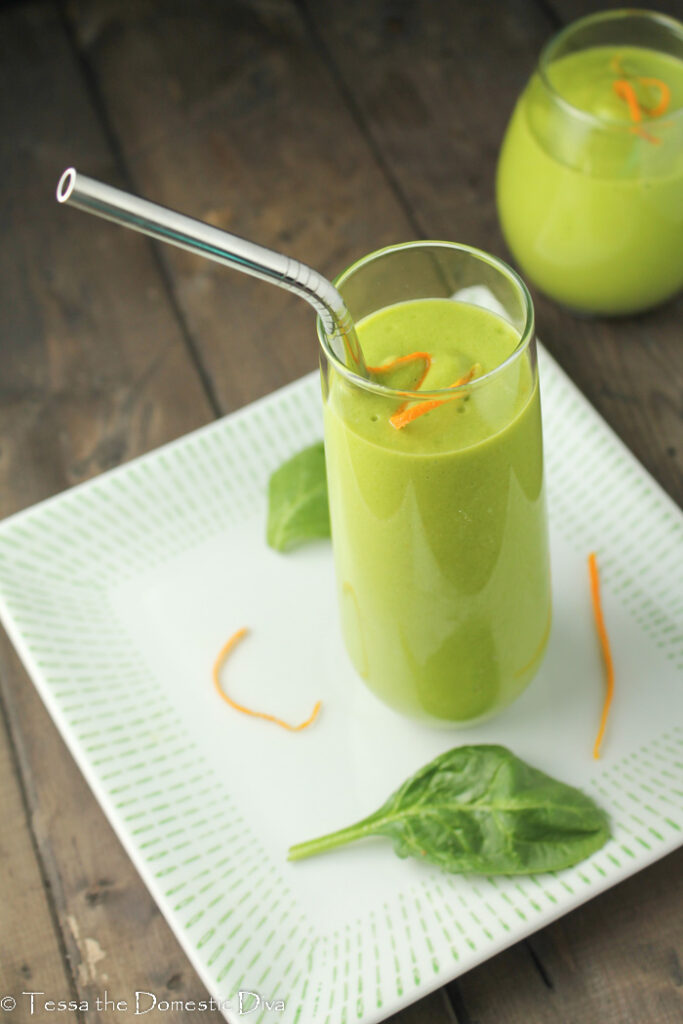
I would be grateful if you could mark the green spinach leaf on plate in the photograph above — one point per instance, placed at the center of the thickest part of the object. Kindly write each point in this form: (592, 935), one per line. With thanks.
(298, 508)
(480, 809)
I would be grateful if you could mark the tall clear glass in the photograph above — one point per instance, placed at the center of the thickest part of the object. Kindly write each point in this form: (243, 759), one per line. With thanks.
(590, 177)
(438, 510)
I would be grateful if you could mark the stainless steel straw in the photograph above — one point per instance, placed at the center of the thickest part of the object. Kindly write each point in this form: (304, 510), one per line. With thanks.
(196, 236)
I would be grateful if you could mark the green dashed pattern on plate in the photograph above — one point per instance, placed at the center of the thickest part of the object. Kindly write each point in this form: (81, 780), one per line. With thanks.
(225, 897)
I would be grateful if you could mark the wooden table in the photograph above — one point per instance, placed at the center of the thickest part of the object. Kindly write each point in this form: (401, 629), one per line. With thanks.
(326, 129)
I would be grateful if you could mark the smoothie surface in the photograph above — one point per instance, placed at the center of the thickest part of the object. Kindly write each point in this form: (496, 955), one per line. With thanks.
(586, 80)
(459, 337)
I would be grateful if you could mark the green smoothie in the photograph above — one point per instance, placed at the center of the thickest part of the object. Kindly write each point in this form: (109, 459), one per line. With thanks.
(590, 179)
(439, 528)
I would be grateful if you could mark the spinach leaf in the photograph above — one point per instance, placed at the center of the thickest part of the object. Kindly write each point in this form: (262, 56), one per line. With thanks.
(482, 810)
(297, 500)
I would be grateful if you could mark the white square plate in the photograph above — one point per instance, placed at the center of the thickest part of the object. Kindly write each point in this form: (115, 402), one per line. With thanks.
(119, 593)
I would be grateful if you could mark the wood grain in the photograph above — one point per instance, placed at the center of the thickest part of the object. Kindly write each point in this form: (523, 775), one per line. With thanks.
(91, 356)
(570, 10)
(31, 956)
(94, 371)
(433, 1009)
(253, 139)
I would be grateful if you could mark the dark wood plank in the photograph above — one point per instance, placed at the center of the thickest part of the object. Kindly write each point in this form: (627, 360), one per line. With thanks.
(435, 84)
(254, 138)
(94, 371)
(433, 1009)
(570, 10)
(31, 954)
(91, 355)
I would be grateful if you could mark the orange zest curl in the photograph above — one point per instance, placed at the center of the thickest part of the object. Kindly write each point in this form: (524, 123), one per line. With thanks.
(403, 416)
(402, 361)
(664, 96)
(606, 652)
(218, 665)
(626, 92)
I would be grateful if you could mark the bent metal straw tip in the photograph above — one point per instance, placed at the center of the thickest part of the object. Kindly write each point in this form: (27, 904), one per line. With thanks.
(66, 185)
(166, 225)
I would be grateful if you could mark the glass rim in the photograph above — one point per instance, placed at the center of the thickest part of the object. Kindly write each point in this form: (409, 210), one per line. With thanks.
(525, 338)
(668, 22)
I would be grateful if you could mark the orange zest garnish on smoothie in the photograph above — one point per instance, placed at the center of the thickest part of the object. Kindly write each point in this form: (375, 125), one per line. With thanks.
(664, 96)
(606, 652)
(403, 416)
(625, 91)
(392, 364)
(218, 665)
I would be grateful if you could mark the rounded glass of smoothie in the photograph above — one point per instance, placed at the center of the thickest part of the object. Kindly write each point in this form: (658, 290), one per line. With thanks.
(590, 177)
(436, 487)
